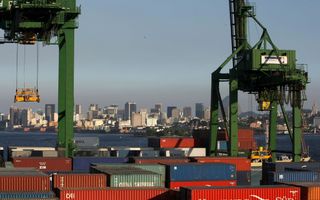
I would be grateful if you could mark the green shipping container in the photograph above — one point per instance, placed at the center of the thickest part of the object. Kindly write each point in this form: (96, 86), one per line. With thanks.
(158, 169)
(129, 177)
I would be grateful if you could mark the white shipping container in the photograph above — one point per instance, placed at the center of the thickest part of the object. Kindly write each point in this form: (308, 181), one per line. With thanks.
(193, 152)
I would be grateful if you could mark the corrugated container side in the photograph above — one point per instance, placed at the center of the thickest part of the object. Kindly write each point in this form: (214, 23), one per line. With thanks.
(177, 184)
(82, 164)
(26, 195)
(156, 168)
(79, 181)
(44, 164)
(24, 183)
(222, 193)
(116, 194)
(200, 172)
(289, 176)
(129, 177)
(242, 164)
(309, 190)
(171, 142)
(159, 160)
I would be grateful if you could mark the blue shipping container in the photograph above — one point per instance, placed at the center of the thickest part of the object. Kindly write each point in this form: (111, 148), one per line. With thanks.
(82, 164)
(290, 176)
(200, 172)
(281, 166)
(26, 195)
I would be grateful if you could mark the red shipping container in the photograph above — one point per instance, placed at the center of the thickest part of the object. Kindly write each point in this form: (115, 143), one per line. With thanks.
(241, 193)
(177, 184)
(116, 194)
(24, 183)
(309, 190)
(242, 164)
(160, 160)
(247, 144)
(44, 164)
(79, 181)
(245, 133)
(171, 142)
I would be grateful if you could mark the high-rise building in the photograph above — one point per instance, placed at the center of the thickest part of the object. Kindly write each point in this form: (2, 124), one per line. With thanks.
(129, 108)
(169, 110)
(93, 107)
(111, 110)
(25, 117)
(207, 114)
(49, 112)
(187, 112)
(78, 109)
(199, 110)
(158, 107)
(176, 114)
(137, 120)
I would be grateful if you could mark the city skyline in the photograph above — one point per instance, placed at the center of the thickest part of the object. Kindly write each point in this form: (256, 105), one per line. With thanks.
(138, 58)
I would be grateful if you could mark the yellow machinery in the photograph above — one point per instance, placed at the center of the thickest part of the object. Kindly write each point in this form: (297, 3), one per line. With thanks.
(26, 95)
(260, 155)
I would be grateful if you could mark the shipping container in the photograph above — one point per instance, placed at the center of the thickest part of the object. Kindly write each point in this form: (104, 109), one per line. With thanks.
(171, 142)
(82, 164)
(177, 184)
(290, 176)
(26, 195)
(124, 153)
(79, 181)
(172, 153)
(281, 166)
(309, 191)
(44, 164)
(117, 194)
(23, 181)
(189, 152)
(244, 178)
(129, 177)
(200, 172)
(241, 193)
(159, 160)
(156, 168)
(242, 164)
(149, 153)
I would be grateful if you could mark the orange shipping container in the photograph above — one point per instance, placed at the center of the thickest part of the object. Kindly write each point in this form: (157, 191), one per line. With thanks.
(309, 190)
(24, 182)
(79, 181)
(171, 142)
(242, 164)
(243, 193)
(116, 194)
(44, 164)
(177, 184)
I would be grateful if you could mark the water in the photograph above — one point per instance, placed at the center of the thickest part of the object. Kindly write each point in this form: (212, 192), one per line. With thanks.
(50, 140)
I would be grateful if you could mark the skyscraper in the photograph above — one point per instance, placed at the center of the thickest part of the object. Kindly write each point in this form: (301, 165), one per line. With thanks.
(158, 107)
(78, 109)
(187, 112)
(169, 110)
(199, 110)
(129, 108)
(49, 112)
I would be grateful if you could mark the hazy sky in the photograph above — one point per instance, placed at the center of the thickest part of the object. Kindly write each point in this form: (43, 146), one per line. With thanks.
(151, 51)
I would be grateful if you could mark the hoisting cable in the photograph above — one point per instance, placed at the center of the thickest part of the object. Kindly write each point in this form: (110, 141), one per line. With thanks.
(24, 66)
(17, 66)
(37, 66)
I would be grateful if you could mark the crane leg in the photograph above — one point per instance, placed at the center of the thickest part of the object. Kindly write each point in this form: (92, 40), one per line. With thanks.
(273, 130)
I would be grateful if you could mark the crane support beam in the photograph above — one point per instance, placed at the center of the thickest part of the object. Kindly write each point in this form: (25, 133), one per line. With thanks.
(66, 90)
(297, 127)
(273, 130)
(214, 114)
(233, 113)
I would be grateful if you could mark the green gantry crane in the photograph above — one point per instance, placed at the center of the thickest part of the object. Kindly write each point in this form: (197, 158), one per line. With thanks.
(271, 74)
(29, 21)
